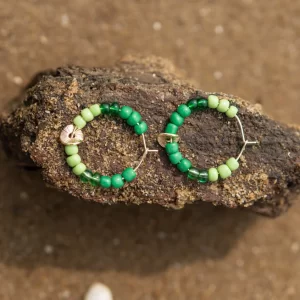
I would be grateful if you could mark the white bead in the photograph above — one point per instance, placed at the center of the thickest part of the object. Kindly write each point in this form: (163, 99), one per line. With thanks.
(98, 291)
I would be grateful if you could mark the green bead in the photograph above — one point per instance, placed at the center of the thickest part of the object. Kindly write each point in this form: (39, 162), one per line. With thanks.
(213, 175)
(184, 165)
(192, 104)
(176, 119)
(184, 110)
(224, 171)
(203, 176)
(71, 149)
(134, 118)
(95, 180)
(117, 181)
(141, 128)
(125, 112)
(87, 115)
(95, 110)
(223, 106)
(86, 176)
(79, 122)
(73, 160)
(105, 182)
(202, 104)
(232, 111)
(171, 128)
(105, 108)
(129, 174)
(175, 158)
(114, 108)
(172, 148)
(193, 173)
(79, 169)
(213, 101)
(232, 163)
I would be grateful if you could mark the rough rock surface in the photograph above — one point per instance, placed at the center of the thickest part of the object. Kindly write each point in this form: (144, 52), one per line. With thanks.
(266, 182)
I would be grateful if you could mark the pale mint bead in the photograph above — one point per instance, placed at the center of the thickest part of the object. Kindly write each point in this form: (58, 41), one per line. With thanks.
(79, 169)
(213, 174)
(223, 105)
(79, 122)
(224, 171)
(213, 101)
(73, 160)
(232, 163)
(71, 149)
(95, 110)
(232, 111)
(87, 115)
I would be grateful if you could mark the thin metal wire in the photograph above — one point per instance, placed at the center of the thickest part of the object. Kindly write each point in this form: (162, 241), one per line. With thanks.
(245, 141)
(147, 150)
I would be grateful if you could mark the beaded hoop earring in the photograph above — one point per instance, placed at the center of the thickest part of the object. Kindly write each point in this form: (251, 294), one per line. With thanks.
(72, 135)
(169, 139)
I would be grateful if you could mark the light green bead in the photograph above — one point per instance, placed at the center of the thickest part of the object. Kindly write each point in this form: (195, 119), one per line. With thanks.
(95, 110)
(223, 105)
(232, 111)
(213, 101)
(79, 122)
(224, 171)
(232, 163)
(87, 115)
(213, 175)
(79, 169)
(73, 160)
(71, 149)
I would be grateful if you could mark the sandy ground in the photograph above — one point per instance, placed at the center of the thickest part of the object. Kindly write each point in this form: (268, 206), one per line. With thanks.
(53, 246)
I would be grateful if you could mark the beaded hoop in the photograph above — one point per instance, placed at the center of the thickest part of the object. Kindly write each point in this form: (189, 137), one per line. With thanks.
(72, 135)
(169, 139)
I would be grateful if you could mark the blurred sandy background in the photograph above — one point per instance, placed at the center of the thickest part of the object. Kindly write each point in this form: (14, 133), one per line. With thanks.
(53, 246)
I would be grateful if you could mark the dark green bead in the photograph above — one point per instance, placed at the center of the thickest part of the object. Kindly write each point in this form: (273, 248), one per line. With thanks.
(202, 104)
(125, 112)
(141, 128)
(176, 119)
(193, 173)
(203, 176)
(184, 165)
(171, 128)
(95, 180)
(172, 148)
(175, 158)
(134, 118)
(117, 181)
(192, 104)
(114, 108)
(105, 182)
(105, 108)
(184, 110)
(129, 174)
(86, 176)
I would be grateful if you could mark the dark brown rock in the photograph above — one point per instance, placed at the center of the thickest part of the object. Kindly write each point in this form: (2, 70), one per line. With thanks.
(266, 182)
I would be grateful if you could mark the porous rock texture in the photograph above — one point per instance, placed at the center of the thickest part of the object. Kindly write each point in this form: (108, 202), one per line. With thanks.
(266, 182)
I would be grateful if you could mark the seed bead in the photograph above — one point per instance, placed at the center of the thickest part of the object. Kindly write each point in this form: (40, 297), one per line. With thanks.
(202, 104)
(232, 111)
(175, 158)
(114, 108)
(193, 173)
(203, 176)
(192, 104)
(79, 169)
(172, 148)
(224, 171)
(86, 176)
(105, 182)
(129, 174)
(213, 175)
(87, 115)
(184, 165)
(176, 119)
(171, 128)
(125, 112)
(223, 106)
(73, 160)
(105, 108)
(117, 181)
(213, 101)
(79, 122)
(95, 110)
(71, 149)
(233, 164)
(140, 128)
(134, 118)
(184, 110)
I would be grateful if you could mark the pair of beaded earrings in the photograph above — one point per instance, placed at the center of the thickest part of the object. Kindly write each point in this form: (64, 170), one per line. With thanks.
(72, 135)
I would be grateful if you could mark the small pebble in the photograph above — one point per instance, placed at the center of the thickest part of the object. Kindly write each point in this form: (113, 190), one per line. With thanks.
(157, 26)
(98, 291)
